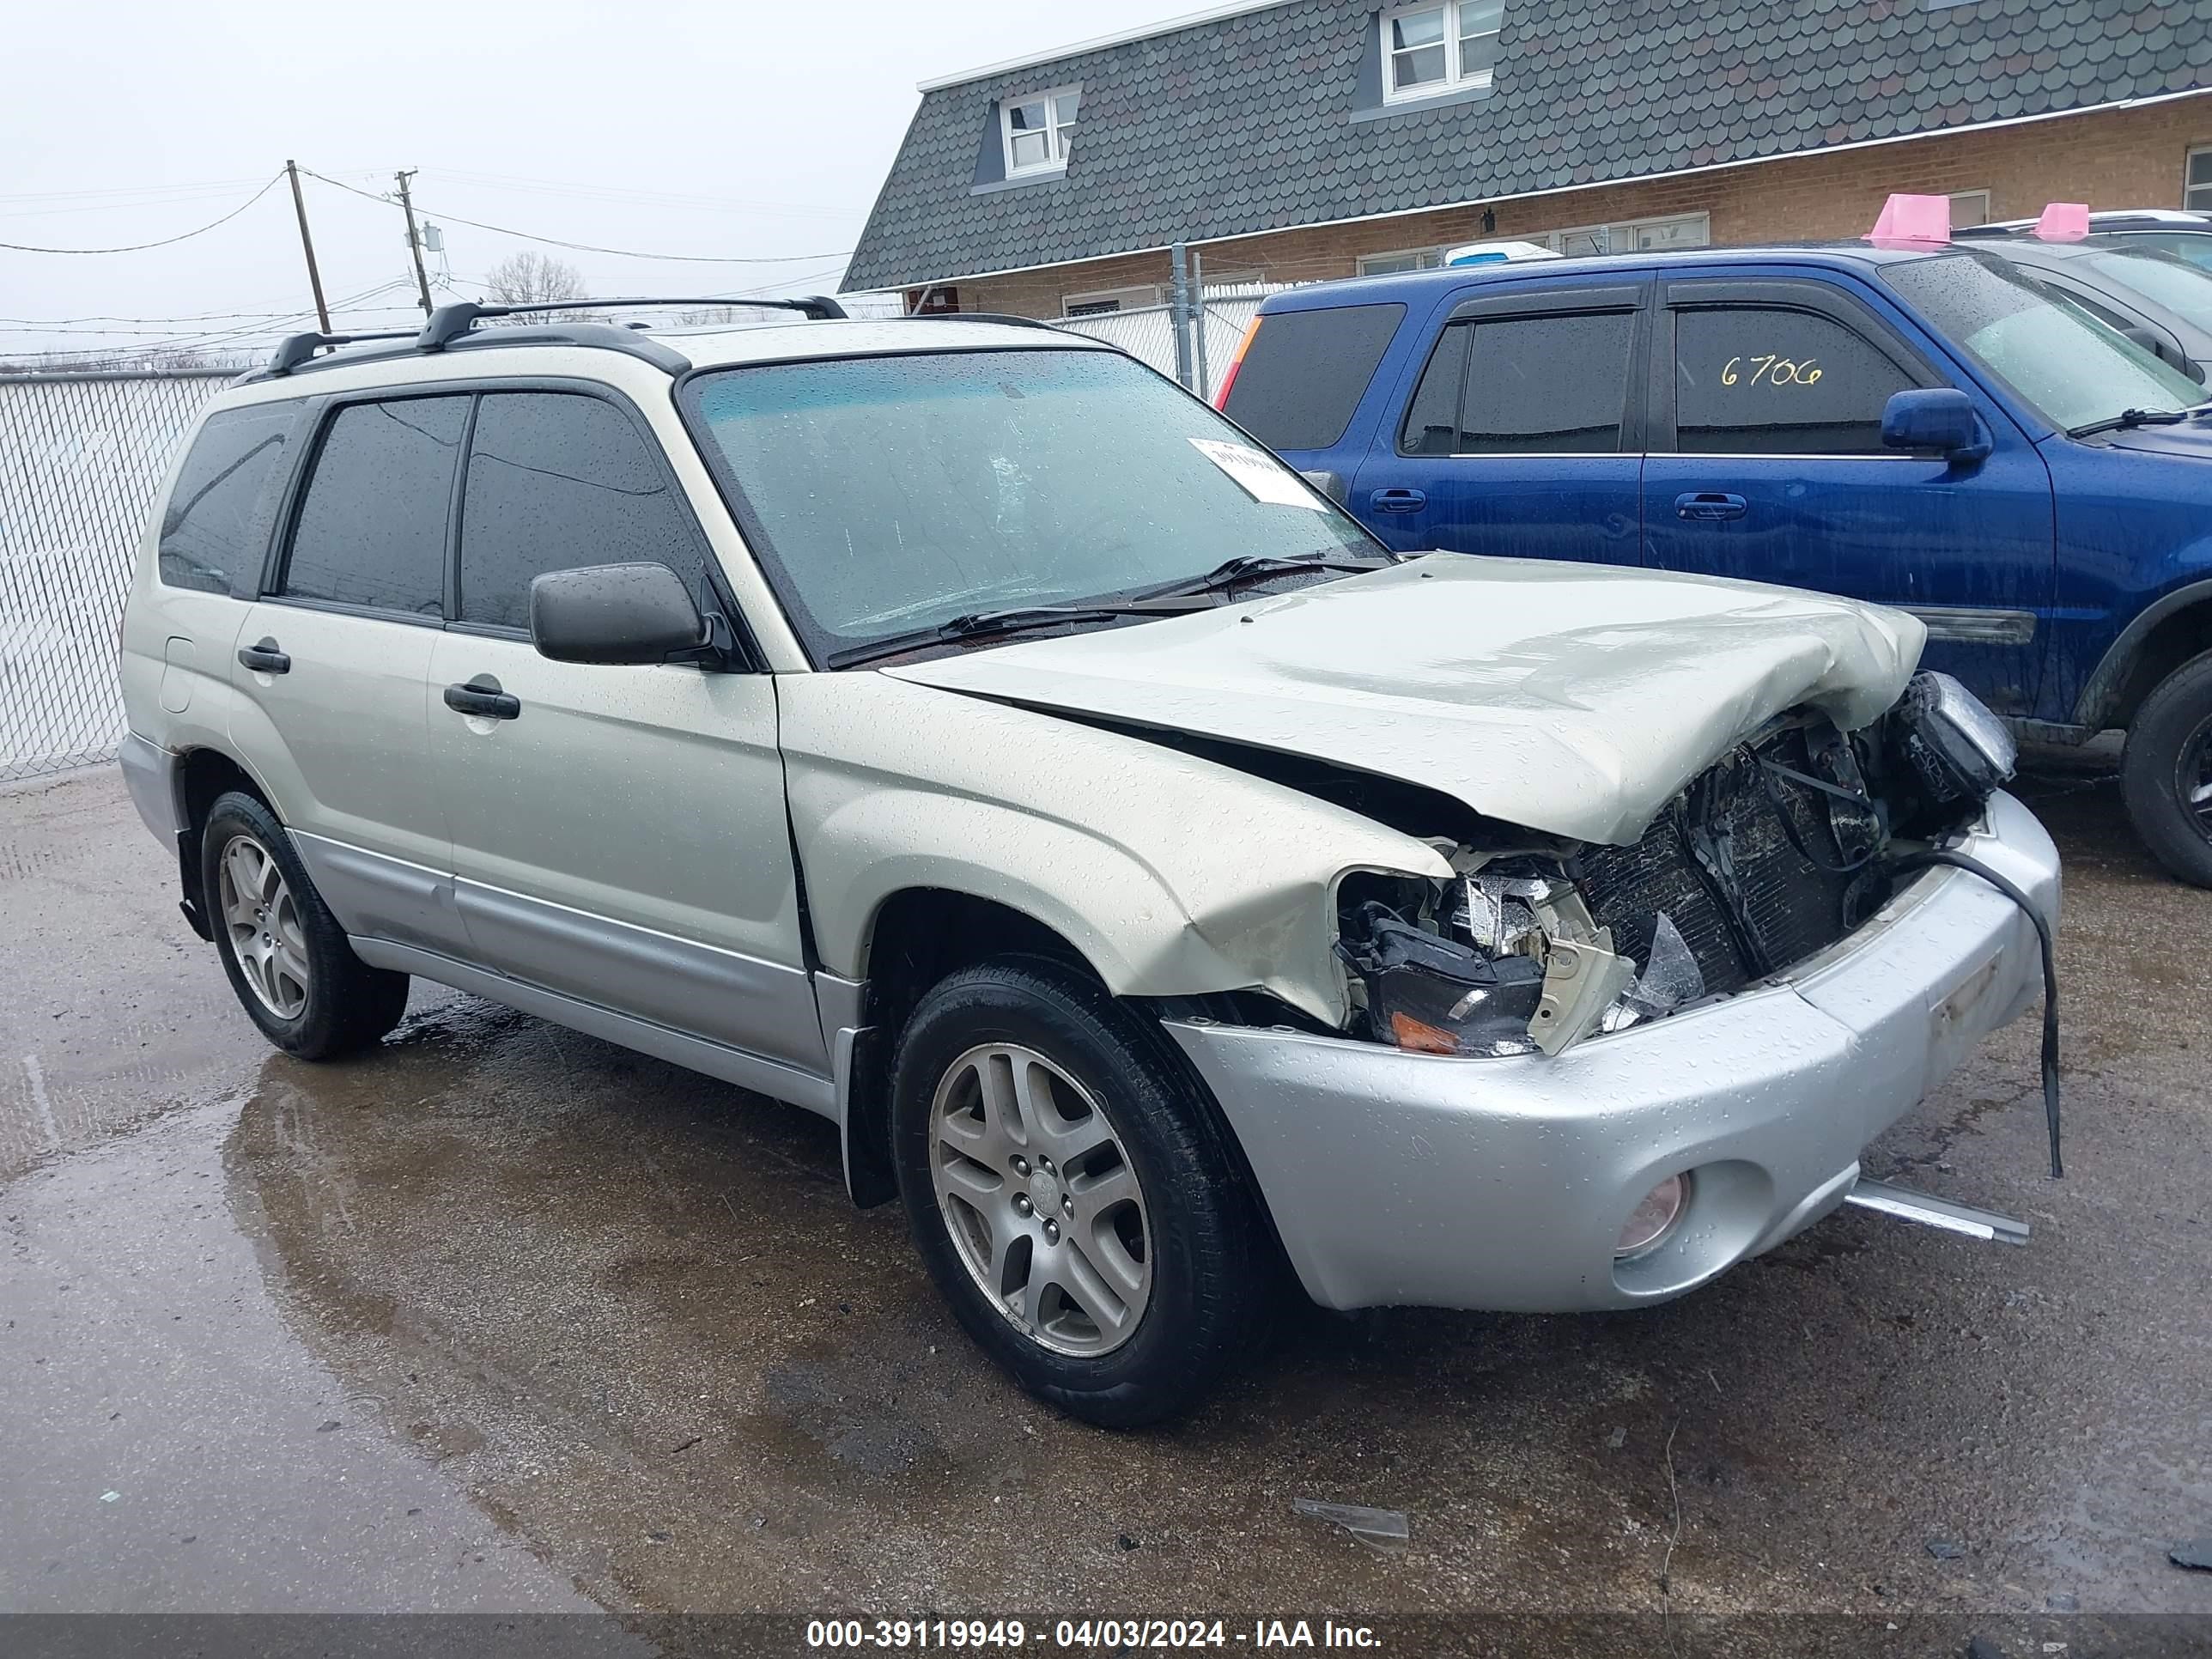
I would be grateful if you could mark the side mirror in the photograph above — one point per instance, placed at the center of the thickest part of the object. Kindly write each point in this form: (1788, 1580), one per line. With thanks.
(2159, 347)
(1940, 419)
(614, 613)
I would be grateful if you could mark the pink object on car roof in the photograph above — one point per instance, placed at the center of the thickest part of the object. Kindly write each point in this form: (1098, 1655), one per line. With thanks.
(2063, 221)
(1913, 219)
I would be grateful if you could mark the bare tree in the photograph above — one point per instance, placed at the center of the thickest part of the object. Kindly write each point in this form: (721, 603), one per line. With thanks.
(523, 279)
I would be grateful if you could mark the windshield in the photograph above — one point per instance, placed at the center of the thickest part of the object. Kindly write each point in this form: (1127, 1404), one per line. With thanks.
(2181, 287)
(2071, 367)
(891, 494)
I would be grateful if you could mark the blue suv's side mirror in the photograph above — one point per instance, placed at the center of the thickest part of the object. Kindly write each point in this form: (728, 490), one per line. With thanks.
(1940, 419)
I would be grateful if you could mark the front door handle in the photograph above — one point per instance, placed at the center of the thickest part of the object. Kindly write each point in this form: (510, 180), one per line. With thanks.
(1398, 500)
(263, 658)
(1709, 506)
(482, 696)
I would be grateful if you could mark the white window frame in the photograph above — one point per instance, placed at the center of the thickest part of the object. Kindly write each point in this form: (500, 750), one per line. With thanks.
(1959, 196)
(1556, 239)
(1456, 79)
(2203, 152)
(1136, 297)
(1057, 132)
(1434, 256)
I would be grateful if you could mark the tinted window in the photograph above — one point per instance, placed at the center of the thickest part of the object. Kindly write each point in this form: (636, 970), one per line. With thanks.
(1432, 423)
(216, 526)
(890, 495)
(1546, 386)
(556, 482)
(1304, 372)
(372, 530)
(1766, 382)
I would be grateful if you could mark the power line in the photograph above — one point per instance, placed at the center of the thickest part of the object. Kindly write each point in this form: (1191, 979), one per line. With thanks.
(588, 248)
(137, 247)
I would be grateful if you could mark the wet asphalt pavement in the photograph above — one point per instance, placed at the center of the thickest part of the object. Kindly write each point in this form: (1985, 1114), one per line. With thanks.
(500, 1316)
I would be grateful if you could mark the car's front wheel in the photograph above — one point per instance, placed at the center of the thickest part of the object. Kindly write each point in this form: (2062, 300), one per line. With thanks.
(1070, 1195)
(2166, 773)
(287, 956)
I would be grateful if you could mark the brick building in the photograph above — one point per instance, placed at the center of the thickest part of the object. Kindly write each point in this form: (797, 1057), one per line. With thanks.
(1292, 140)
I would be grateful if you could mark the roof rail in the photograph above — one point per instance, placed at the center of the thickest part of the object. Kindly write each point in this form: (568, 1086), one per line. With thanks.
(1005, 317)
(449, 322)
(295, 348)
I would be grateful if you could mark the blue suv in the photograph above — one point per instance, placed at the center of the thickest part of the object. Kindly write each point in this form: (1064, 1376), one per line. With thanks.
(1920, 428)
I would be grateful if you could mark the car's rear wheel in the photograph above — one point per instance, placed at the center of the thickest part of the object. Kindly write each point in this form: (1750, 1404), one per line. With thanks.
(2166, 773)
(287, 959)
(1069, 1194)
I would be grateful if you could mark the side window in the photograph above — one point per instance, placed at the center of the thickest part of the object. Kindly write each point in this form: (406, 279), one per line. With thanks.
(557, 480)
(1753, 381)
(1431, 424)
(1303, 373)
(1546, 386)
(372, 529)
(215, 527)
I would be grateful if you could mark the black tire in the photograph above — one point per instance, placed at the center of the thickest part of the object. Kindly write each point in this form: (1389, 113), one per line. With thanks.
(1206, 1245)
(2166, 758)
(348, 1004)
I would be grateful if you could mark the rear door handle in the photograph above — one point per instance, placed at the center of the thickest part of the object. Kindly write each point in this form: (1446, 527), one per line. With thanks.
(482, 696)
(263, 658)
(1398, 500)
(1709, 506)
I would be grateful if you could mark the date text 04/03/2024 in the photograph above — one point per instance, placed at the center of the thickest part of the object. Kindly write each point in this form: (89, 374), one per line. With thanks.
(1119, 1634)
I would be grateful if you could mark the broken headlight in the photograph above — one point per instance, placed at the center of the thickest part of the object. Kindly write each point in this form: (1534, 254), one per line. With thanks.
(1505, 961)
(1958, 752)
(1436, 996)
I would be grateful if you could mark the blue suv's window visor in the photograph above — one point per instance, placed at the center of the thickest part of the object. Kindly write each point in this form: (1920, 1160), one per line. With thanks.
(890, 495)
(2076, 371)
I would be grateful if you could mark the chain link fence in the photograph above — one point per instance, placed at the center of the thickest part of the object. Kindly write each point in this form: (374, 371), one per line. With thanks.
(80, 456)
(1148, 332)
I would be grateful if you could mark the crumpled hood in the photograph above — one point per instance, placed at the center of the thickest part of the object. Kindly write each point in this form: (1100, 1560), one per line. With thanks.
(1572, 699)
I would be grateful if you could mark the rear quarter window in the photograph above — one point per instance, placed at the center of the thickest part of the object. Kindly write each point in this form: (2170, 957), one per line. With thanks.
(1305, 371)
(215, 527)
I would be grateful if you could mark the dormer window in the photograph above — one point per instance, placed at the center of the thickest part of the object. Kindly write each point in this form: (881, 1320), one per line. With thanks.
(1429, 50)
(1036, 130)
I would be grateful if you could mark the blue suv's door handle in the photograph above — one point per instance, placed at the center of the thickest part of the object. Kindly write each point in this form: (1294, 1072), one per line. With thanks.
(1709, 506)
(1398, 500)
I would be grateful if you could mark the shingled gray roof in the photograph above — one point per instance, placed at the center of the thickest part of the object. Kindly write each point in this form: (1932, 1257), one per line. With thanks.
(1258, 121)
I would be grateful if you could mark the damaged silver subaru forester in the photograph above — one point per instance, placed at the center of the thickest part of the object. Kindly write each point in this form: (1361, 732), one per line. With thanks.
(957, 730)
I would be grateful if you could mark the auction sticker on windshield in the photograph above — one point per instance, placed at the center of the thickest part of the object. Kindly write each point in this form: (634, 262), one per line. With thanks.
(1262, 477)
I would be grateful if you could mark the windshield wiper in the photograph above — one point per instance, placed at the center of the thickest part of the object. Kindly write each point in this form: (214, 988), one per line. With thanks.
(1013, 619)
(1247, 566)
(2128, 419)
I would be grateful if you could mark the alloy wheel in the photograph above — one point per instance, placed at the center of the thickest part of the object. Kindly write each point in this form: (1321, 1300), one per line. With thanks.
(263, 923)
(1041, 1199)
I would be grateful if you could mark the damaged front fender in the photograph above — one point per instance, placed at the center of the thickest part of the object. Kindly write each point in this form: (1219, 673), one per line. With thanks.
(1173, 875)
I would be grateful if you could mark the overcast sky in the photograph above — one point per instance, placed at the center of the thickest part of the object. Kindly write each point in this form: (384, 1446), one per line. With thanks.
(732, 129)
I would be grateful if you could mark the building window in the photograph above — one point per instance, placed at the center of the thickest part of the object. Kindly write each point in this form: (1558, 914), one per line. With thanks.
(1037, 129)
(2196, 182)
(1631, 236)
(1107, 300)
(1438, 48)
(1968, 207)
(1388, 265)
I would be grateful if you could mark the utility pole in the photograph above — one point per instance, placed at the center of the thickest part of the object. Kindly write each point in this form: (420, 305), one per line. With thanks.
(1179, 312)
(414, 238)
(307, 247)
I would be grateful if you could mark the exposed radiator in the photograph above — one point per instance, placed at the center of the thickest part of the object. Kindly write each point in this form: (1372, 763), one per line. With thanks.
(1754, 905)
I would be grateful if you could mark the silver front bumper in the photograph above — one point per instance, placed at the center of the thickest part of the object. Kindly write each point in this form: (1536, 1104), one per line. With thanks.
(1503, 1183)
